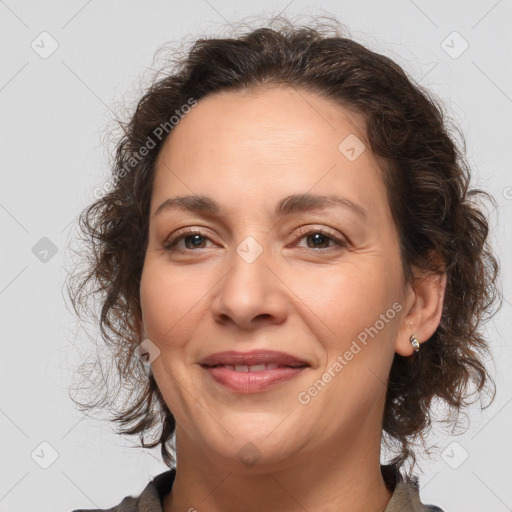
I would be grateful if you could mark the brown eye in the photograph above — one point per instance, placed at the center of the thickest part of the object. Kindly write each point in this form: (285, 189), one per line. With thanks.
(192, 240)
(320, 239)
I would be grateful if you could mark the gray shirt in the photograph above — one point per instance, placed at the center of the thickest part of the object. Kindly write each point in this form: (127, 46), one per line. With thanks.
(405, 496)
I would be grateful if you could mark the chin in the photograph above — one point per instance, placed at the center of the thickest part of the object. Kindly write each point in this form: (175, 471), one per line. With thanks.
(254, 451)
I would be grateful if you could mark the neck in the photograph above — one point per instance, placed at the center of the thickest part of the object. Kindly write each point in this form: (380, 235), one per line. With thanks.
(344, 480)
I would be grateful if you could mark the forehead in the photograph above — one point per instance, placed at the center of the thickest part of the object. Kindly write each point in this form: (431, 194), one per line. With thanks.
(283, 117)
(242, 144)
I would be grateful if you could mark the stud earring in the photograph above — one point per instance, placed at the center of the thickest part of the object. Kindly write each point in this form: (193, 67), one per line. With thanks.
(415, 342)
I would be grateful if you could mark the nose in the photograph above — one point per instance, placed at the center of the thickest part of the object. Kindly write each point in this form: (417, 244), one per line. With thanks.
(251, 294)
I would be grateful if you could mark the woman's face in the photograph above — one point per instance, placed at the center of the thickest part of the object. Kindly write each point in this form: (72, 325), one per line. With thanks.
(317, 279)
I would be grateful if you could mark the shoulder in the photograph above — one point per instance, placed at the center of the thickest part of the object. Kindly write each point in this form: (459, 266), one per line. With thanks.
(405, 496)
(406, 499)
(150, 500)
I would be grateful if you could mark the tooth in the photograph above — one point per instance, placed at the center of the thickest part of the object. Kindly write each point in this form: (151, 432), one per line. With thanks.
(241, 368)
(230, 367)
(272, 366)
(257, 367)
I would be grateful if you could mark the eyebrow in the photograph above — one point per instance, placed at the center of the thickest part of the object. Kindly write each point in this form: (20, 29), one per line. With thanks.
(292, 204)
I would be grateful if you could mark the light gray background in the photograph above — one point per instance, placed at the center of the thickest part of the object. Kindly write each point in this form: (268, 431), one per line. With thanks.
(54, 113)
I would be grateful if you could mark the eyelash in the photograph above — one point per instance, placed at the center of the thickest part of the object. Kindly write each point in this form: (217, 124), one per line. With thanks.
(171, 244)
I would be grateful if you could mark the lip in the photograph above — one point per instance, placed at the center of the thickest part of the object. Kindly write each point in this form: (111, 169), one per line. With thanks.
(283, 367)
(254, 357)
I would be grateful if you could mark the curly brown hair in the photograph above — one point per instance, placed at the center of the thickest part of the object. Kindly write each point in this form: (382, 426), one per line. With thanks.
(427, 180)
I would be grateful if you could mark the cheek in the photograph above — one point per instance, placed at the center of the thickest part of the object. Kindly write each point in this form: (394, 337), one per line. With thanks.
(347, 297)
(354, 308)
(165, 302)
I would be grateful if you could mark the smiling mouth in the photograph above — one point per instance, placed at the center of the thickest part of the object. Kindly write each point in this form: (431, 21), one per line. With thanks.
(252, 372)
(249, 379)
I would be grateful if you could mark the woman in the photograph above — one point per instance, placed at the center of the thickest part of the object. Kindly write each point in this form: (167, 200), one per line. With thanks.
(292, 269)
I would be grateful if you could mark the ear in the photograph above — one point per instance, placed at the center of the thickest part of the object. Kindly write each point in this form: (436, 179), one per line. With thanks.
(423, 309)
